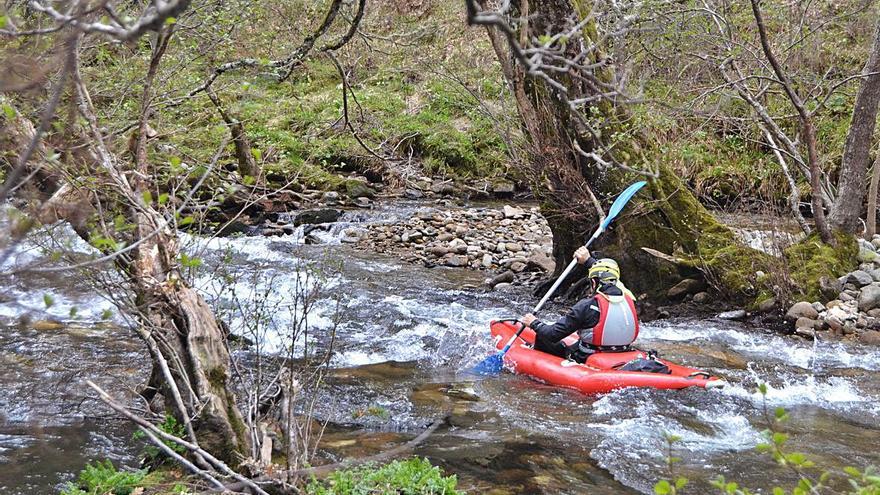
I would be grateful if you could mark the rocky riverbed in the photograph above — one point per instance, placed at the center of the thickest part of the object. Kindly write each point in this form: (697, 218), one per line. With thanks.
(513, 244)
(854, 310)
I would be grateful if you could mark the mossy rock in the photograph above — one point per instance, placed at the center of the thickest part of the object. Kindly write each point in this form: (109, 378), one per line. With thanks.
(355, 188)
(811, 259)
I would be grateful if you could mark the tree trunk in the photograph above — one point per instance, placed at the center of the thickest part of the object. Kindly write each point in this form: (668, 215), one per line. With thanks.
(872, 200)
(178, 326)
(667, 217)
(856, 154)
(189, 340)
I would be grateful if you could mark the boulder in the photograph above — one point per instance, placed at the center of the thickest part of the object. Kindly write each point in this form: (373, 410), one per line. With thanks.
(456, 260)
(685, 287)
(874, 313)
(518, 266)
(819, 307)
(330, 197)
(701, 297)
(866, 255)
(443, 187)
(513, 247)
(438, 251)
(766, 305)
(834, 324)
(875, 274)
(806, 332)
(829, 287)
(802, 309)
(513, 212)
(833, 303)
(503, 188)
(844, 297)
(807, 323)
(411, 236)
(487, 260)
(876, 243)
(542, 262)
(869, 298)
(321, 215)
(505, 277)
(870, 337)
(356, 188)
(413, 194)
(736, 314)
(860, 278)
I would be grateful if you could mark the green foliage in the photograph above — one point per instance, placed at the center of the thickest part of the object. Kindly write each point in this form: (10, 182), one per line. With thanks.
(152, 453)
(102, 478)
(410, 477)
(812, 480)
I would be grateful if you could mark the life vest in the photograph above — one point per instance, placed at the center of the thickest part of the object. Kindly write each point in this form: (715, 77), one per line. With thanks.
(618, 321)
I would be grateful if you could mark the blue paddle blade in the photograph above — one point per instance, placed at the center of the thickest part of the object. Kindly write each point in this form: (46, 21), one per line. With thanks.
(492, 365)
(621, 201)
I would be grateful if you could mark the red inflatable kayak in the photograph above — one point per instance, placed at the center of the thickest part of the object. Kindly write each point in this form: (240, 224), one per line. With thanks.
(599, 374)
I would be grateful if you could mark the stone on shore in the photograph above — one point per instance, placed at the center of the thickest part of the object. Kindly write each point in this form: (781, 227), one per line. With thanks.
(869, 298)
(860, 278)
(802, 309)
(685, 287)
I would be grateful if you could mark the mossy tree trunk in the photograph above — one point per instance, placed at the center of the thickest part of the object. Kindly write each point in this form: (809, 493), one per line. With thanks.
(667, 217)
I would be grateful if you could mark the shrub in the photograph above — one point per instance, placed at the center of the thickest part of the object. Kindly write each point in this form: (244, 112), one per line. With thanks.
(103, 478)
(410, 477)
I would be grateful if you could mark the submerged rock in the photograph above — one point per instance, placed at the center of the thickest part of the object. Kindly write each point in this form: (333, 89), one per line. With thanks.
(322, 215)
(736, 314)
(871, 337)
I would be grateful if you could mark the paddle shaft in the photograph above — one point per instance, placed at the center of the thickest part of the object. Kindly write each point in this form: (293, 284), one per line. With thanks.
(552, 290)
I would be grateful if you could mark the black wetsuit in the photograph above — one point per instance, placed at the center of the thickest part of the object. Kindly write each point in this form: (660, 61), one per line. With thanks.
(581, 318)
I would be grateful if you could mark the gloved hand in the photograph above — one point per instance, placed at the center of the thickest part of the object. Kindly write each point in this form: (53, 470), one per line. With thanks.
(528, 319)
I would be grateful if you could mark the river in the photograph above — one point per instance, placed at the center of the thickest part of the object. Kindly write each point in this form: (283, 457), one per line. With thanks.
(406, 337)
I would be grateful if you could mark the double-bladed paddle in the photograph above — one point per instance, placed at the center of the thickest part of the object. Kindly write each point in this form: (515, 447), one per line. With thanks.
(494, 363)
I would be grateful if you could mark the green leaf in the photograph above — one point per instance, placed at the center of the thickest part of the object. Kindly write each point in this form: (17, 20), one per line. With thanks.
(778, 491)
(762, 388)
(106, 314)
(731, 487)
(48, 300)
(248, 180)
(147, 197)
(780, 413)
(73, 311)
(9, 111)
(186, 221)
(852, 472)
(662, 488)
(257, 154)
(3, 21)
(171, 21)
(763, 447)
(163, 198)
(680, 482)
(779, 438)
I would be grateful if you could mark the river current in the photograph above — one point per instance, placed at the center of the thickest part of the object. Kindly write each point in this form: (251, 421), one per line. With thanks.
(405, 337)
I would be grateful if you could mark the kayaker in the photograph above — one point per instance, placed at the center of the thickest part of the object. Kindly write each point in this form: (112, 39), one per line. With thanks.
(606, 321)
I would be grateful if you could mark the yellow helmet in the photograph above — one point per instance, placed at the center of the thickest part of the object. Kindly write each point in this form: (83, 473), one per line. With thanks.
(606, 270)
